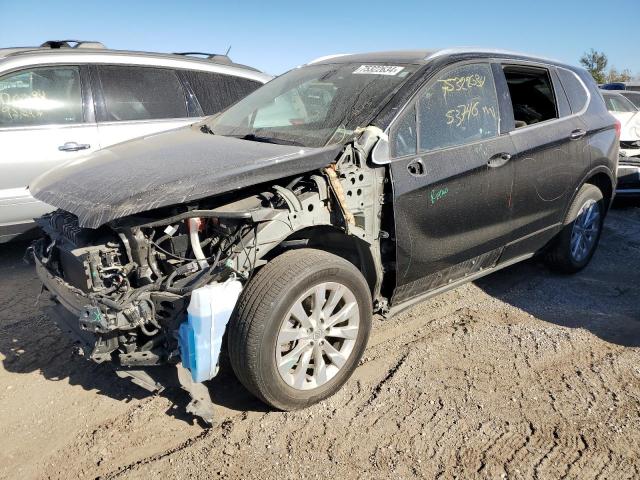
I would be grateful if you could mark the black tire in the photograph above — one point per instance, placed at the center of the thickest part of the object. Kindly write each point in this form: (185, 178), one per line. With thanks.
(559, 256)
(261, 310)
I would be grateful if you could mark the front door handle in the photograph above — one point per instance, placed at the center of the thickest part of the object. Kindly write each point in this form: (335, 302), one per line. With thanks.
(577, 134)
(499, 159)
(73, 147)
(416, 167)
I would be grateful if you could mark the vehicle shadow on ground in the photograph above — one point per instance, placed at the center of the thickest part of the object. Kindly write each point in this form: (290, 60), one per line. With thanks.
(603, 298)
(31, 342)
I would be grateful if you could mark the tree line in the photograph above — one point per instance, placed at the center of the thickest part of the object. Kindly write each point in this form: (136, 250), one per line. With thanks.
(596, 63)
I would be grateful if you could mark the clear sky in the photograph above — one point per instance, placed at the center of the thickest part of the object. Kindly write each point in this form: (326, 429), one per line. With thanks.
(278, 35)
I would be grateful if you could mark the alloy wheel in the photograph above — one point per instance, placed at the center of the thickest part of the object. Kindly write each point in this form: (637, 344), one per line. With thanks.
(317, 336)
(585, 230)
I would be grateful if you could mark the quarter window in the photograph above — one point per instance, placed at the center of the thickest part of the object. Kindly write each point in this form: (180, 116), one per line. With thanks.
(532, 95)
(41, 96)
(458, 107)
(574, 89)
(405, 138)
(139, 93)
(216, 91)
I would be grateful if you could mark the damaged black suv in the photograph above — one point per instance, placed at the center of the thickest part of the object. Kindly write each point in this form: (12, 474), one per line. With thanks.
(353, 185)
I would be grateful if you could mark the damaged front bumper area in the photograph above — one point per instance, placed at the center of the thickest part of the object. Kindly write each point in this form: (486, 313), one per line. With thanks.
(159, 287)
(122, 293)
(126, 290)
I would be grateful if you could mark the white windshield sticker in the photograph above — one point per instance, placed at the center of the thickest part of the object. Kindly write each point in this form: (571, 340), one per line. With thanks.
(379, 69)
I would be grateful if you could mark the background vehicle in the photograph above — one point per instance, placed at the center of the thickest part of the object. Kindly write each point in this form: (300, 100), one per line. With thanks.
(634, 97)
(629, 164)
(379, 180)
(629, 117)
(635, 86)
(59, 103)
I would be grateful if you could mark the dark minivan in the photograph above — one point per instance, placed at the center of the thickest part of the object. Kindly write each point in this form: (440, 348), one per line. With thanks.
(352, 185)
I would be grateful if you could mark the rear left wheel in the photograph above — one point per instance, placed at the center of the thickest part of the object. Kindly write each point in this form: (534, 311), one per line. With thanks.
(301, 326)
(576, 243)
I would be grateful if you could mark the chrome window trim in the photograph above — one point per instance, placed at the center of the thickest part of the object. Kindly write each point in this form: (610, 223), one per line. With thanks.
(52, 126)
(151, 121)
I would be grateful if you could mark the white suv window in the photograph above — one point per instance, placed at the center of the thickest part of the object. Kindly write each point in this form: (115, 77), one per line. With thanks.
(41, 96)
(216, 91)
(141, 93)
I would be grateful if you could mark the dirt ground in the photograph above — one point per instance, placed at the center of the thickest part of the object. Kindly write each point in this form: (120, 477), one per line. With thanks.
(523, 374)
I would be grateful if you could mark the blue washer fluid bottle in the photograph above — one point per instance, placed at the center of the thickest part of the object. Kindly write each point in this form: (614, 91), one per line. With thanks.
(200, 337)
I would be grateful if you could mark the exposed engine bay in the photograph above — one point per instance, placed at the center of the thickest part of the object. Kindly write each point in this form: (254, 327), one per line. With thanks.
(128, 282)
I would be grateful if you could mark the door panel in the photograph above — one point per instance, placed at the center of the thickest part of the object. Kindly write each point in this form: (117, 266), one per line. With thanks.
(458, 210)
(551, 156)
(547, 166)
(452, 205)
(117, 132)
(26, 154)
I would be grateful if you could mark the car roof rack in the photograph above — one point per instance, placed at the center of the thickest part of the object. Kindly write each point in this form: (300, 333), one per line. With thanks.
(68, 44)
(216, 57)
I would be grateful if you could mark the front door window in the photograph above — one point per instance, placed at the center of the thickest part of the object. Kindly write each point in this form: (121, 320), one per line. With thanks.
(41, 96)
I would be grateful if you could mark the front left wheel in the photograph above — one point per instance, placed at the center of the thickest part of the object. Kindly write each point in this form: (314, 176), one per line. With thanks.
(300, 329)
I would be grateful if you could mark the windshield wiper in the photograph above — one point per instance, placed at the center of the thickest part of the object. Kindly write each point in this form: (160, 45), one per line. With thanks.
(279, 141)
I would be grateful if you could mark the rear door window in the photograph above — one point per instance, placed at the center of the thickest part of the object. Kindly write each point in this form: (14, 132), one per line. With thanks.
(532, 95)
(140, 93)
(41, 96)
(459, 107)
(216, 91)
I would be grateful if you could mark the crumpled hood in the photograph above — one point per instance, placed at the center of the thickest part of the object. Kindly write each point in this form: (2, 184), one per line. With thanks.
(168, 168)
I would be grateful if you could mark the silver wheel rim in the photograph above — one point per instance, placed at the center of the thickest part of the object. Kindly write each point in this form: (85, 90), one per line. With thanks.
(585, 230)
(317, 336)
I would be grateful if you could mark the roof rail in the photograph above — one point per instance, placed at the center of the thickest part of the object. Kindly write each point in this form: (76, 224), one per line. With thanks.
(216, 57)
(76, 44)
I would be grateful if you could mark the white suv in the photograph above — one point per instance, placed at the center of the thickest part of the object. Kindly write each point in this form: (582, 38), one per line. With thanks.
(59, 102)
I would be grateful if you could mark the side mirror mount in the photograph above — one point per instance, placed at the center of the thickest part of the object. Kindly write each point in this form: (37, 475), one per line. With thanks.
(380, 154)
(372, 139)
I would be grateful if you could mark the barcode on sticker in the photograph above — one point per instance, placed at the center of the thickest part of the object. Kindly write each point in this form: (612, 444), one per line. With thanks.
(379, 69)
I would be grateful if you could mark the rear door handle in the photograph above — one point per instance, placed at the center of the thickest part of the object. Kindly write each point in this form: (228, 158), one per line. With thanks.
(577, 134)
(73, 147)
(499, 159)
(416, 167)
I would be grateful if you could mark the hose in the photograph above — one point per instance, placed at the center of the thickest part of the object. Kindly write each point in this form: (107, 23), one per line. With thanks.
(180, 271)
(194, 223)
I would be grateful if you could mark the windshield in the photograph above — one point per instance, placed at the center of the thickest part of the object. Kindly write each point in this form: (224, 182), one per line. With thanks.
(314, 105)
(618, 103)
